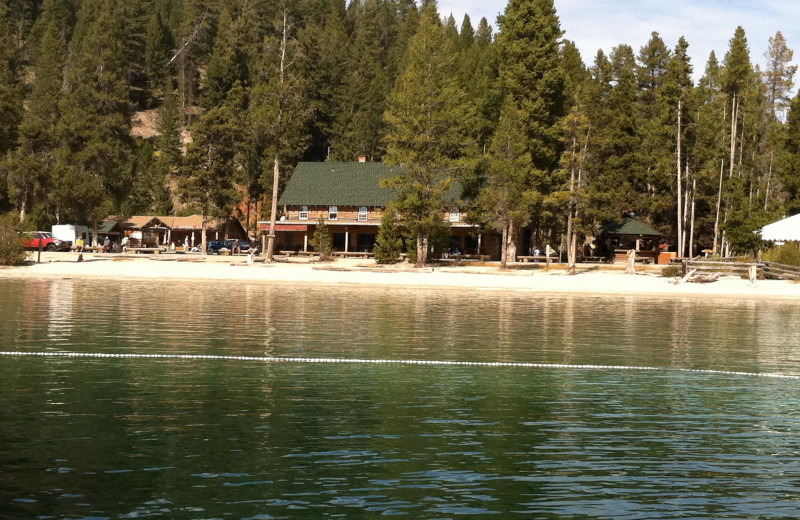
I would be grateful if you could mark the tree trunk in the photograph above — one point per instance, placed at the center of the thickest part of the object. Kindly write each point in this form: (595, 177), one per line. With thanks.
(513, 238)
(247, 218)
(680, 187)
(691, 223)
(719, 204)
(95, 230)
(203, 239)
(422, 250)
(22, 210)
(276, 169)
(504, 249)
(274, 211)
(769, 181)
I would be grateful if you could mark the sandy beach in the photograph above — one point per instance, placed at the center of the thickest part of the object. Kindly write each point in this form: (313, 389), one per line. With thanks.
(524, 277)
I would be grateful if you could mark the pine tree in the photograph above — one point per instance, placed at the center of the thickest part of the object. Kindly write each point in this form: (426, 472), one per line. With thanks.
(29, 165)
(226, 66)
(10, 87)
(322, 240)
(325, 47)
(528, 47)
(389, 242)
(779, 75)
(157, 45)
(91, 171)
(279, 111)
(168, 128)
(507, 198)
(425, 116)
(208, 170)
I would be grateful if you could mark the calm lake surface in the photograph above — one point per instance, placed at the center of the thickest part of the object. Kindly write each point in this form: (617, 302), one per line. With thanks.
(110, 437)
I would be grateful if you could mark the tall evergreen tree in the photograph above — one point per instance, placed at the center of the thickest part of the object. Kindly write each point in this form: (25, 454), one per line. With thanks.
(528, 49)
(779, 75)
(208, 170)
(507, 198)
(279, 110)
(91, 173)
(425, 116)
(30, 164)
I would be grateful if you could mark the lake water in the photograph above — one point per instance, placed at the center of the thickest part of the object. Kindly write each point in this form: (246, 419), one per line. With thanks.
(590, 435)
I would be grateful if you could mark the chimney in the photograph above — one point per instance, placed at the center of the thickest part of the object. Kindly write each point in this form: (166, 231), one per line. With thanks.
(362, 158)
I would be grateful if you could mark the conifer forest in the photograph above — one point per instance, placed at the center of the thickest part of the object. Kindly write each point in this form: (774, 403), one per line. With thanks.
(194, 106)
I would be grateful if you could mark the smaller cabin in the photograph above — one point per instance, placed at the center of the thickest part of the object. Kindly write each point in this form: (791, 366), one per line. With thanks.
(631, 234)
(163, 231)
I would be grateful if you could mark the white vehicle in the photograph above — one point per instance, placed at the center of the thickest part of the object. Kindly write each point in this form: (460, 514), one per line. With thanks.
(71, 232)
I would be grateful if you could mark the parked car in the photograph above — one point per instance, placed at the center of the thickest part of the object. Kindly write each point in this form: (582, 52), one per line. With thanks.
(44, 238)
(244, 246)
(213, 246)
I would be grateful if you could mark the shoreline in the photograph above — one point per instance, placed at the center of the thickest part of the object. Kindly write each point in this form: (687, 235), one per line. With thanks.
(522, 278)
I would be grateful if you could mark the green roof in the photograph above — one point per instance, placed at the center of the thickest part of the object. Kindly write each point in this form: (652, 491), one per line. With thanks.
(630, 226)
(107, 226)
(339, 184)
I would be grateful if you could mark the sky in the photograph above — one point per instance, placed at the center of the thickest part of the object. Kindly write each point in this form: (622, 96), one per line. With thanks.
(706, 24)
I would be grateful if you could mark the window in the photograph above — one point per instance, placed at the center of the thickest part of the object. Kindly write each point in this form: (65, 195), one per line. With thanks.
(455, 215)
(303, 212)
(333, 212)
(362, 214)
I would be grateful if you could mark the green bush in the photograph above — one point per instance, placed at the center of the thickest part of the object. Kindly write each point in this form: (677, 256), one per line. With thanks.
(322, 240)
(672, 271)
(11, 250)
(788, 254)
(389, 243)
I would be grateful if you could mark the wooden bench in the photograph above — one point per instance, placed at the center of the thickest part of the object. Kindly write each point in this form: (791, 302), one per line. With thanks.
(593, 260)
(145, 250)
(353, 254)
(526, 259)
(87, 249)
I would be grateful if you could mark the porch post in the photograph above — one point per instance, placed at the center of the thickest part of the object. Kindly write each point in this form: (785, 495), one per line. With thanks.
(346, 240)
(305, 243)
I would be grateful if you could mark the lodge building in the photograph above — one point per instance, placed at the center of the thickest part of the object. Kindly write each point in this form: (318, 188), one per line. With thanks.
(351, 201)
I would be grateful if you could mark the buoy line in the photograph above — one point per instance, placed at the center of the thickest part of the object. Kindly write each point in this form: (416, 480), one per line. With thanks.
(502, 364)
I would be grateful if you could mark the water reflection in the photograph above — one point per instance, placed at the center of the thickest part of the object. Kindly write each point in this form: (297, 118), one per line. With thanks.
(110, 438)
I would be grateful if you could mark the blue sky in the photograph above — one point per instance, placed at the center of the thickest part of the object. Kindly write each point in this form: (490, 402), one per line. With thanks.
(706, 24)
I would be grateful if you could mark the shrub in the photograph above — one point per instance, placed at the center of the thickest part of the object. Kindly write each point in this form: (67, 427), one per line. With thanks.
(11, 250)
(788, 254)
(672, 271)
(389, 243)
(322, 240)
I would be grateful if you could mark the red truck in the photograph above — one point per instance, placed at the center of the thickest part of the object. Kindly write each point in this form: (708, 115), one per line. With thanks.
(45, 238)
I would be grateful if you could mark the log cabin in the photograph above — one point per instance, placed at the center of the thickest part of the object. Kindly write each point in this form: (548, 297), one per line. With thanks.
(351, 201)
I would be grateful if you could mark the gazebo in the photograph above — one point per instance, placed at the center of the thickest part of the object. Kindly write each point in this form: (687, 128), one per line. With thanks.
(786, 230)
(631, 234)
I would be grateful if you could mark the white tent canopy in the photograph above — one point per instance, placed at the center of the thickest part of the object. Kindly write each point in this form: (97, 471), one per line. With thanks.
(786, 230)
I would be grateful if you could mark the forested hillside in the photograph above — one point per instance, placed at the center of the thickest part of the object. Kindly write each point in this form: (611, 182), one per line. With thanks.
(240, 90)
